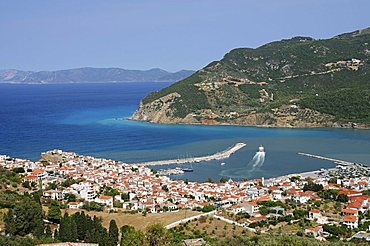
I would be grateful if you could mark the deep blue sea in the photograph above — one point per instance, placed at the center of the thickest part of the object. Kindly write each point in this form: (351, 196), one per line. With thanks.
(89, 119)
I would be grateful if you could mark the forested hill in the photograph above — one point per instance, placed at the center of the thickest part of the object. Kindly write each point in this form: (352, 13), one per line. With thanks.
(92, 75)
(297, 82)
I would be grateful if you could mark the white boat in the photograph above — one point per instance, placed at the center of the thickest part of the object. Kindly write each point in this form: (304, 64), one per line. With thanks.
(261, 149)
(223, 163)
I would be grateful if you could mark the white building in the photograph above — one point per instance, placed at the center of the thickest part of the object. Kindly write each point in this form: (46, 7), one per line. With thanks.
(106, 200)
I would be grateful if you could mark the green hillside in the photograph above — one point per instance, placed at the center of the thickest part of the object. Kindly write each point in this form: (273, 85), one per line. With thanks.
(328, 78)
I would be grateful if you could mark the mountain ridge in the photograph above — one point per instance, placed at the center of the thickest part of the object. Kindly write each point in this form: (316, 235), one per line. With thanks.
(92, 75)
(297, 82)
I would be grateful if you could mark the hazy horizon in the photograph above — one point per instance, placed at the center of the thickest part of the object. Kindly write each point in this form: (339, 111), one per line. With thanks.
(56, 35)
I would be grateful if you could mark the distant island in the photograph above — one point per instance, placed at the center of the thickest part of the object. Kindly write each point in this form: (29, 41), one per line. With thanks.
(92, 75)
(297, 82)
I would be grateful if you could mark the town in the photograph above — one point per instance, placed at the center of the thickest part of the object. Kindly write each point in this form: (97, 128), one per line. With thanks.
(331, 204)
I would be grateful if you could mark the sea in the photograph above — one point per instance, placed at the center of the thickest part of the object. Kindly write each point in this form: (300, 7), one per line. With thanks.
(91, 119)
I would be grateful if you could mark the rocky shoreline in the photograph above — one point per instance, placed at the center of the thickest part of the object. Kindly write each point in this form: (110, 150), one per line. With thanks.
(339, 126)
(285, 116)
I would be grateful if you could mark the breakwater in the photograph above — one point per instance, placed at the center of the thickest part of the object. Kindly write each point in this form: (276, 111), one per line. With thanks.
(336, 161)
(217, 156)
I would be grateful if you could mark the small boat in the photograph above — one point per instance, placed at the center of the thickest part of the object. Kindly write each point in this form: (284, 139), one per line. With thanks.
(261, 149)
(187, 170)
(223, 163)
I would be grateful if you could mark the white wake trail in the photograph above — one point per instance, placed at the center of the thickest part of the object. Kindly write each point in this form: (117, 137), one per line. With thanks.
(257, 161)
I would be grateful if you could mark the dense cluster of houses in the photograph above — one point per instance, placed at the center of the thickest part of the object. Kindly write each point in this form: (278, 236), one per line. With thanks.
(147, 191)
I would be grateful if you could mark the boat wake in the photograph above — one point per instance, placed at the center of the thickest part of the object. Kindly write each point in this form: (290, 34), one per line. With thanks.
(257, 160)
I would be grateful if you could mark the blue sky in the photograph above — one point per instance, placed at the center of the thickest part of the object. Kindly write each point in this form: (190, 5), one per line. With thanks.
(173, 35)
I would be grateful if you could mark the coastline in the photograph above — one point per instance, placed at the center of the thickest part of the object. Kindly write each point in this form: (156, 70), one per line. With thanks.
(343, 126)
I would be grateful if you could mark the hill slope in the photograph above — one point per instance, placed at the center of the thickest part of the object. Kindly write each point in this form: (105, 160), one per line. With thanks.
(78, 75)
(298, 82)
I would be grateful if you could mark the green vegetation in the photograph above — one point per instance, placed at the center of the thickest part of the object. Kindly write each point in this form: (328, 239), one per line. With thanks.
(312, 186)
(346, 104)
(191, 98)
(316, 74)
(10, 178)
(93, 206)
(69, 197)
(108, 191)
(54, 212)
(24, 216)
(113, 232)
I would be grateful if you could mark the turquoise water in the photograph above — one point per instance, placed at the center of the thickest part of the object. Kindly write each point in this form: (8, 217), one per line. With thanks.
(89, 119)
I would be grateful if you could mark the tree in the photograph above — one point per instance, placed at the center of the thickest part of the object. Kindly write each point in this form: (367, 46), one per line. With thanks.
(10, 227)
(223, 180)
(131, 237)
(113, 232)
(208, 208)
(68, 229)
(330, 194)
(342, 198)
(82, 224)
(210, 180)
(18, 170)
(125, 197)
(111, 192)
(26, 217)
(52, 186)
(39, 230)
(165, 188)
(312, 186)
(333, 180)
(157, 235)
(48, 232)
(26, 184)
(56, 234)
(69, 197)
(366, 192)
(73, 228)
(64, 228)
(93, 206)
(264, 210)
(54, 212)
(295, 179)
(300, 213)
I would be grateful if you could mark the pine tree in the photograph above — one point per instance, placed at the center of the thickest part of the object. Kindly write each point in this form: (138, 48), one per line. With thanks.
(39, 229)
(81, 224)
(10, 227)
(73, 233)
(88, 237)
(157, 235)
(54, 213)
(131, 236)
(113, 232)
(64, 228)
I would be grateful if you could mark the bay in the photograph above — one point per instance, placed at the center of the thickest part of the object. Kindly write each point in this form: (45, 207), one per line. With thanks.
(90, 119)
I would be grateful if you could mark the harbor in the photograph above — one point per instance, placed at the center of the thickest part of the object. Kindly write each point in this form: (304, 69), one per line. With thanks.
(336, 161)
(168, 172)
(217, 156)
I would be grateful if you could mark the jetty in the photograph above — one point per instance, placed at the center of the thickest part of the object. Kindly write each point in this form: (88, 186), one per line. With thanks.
(217, 156)
(336, 161)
